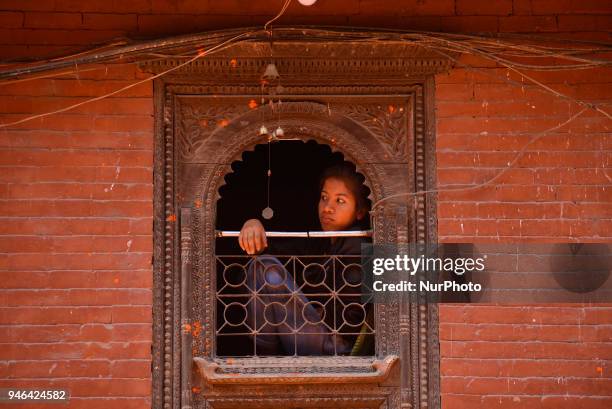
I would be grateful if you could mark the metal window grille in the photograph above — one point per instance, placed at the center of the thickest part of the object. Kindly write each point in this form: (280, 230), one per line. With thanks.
(294, 304)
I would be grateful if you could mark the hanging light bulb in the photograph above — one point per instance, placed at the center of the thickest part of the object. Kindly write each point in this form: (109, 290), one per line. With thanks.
(307, 2)
(263, 130)
(279, 133)
(271, 73)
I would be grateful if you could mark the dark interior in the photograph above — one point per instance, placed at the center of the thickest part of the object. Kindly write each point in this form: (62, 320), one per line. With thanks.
(294, 193)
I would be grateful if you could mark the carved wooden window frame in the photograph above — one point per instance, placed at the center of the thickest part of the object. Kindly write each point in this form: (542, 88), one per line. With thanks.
(190, 162)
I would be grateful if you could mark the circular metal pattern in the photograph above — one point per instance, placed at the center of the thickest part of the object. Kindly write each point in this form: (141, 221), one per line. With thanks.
(313, 312)
(235, 314)
(275, 275)
(314, 274)
(358, 314)
(269, 313)
(234, 275)
(352, 275)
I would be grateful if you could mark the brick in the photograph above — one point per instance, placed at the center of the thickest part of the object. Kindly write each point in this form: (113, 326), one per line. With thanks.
(524, 211)
(131, 314)
(597, 315)
(53, 37)
(74, 157)
(408, 8)
(119, 7)
(68, 261)
(546, 228)
(124, 279)
(501, 332)
(53, 20)
(99, 21)
(541, 350)
(169, 6)
(513, 315)
(517, 368)
(11, 19)
(527, 24)
(480, 8)
(77, 350)
(81, 297)
(100, 174)
(64, 244)
(490, 228)
(116, 123)
(457, 227)
(584, 193)
(59, 369)
(482, 193)
(101, 191)
(457, 210)
(131, 369)
(457, 176)
(77, 88)
(76, 140)
(470, 24)
(587, 210)
(75, 208)
(453, 92)
(520, 7)
(107, 106)
(24, 279)
(160, 24)
(55, 315)
(570, 7)
(532, 193)
(74, 226)
(583, 22)
(527, 386)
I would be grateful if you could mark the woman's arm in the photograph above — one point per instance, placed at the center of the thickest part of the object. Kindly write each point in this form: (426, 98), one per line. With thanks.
(252, 238)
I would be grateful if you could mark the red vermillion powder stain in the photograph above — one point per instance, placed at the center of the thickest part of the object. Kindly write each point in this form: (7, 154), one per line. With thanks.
(171, 218)
(233, 63)
(195, 389)
(198, 203)
(252, 104)
(197, 328)
(391, 109)
(223, 123)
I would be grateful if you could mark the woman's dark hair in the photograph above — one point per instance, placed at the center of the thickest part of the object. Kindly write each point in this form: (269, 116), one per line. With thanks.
(347, 173)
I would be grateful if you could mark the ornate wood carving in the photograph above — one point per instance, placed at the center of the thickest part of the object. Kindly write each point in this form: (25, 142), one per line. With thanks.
(373, 106)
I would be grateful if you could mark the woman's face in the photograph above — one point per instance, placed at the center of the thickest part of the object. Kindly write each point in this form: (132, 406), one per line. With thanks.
(337, 206)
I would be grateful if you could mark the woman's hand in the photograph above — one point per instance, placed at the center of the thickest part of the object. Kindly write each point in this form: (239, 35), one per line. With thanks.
(252, 238)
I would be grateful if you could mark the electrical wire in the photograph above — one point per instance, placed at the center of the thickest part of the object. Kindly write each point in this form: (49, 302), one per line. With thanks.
(280, 13)
(509, 166)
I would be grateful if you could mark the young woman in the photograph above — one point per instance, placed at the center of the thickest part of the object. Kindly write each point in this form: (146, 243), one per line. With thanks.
(278, 307)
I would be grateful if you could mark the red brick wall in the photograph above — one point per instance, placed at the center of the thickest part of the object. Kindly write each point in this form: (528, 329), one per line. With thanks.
(76, 196)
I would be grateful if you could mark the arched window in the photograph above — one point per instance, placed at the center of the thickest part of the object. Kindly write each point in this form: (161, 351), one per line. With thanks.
(370, 103)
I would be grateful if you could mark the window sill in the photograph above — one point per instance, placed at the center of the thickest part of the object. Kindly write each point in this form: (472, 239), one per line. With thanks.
(295, 370)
